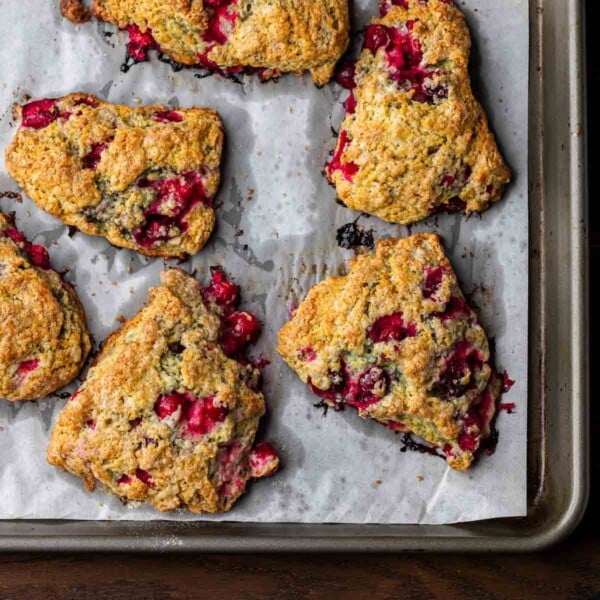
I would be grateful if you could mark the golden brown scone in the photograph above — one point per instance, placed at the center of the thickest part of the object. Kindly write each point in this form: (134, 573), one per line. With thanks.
(396, 340)
(236, 36)
(44, 339)
(169, 410)
(414, 140)
(144, 178)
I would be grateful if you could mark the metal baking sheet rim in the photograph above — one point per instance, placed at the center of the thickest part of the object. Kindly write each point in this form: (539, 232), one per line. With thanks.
(558, 394)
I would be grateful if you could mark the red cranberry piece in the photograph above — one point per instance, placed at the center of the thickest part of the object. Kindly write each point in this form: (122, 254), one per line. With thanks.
(308, 354)
(202, 415)
(345, 75)
(93, 157)
(455, 309)
(144, 477)
(433, 280)
(348, 169)
(448, 181)
(509, 407)
(369, 389)
(507, 383)
(168, 404)
(239, 330)
(470, 437)
(135, 422)
(90, 424)
(140, 43)
(463, 362)
(38, 255)
(124, 480)
(16, 236)
(350, 104)
(391, 328)
(336, 389)
(26, 367)
(39, 113)
(166, 116)
(385, 5)
(397, 426)
(263, 460)
(376, 36)
(221, 291)
(214, 33)
(454, 205)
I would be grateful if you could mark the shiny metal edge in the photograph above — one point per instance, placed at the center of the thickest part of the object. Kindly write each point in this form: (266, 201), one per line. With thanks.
(559, 390)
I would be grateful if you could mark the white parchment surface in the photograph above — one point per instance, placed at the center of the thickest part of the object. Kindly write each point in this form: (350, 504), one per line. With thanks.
(277, 220)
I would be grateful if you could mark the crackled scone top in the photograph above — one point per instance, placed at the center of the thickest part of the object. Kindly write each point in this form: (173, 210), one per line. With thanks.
(169, 411)
(43, 335)
(144, 177)
(396, 340)
(234, 35)
(414, 140)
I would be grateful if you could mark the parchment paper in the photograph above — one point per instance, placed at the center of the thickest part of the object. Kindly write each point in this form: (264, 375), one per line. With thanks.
(276, 236)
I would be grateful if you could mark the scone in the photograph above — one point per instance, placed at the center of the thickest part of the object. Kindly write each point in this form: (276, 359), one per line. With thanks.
(169, 410)
(232, 37)
(414, 140)
(396, 340)
(144, 178)
(44, 339)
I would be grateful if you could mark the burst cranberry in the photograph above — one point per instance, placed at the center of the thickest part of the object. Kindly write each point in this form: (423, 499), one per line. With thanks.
(263, 460)
(39, 113)
(376, 36)
(239, 330)
(470, 437)
(456, 308)
(348, 169)
(27, 367)
(454, 205)
(337, 387)
(350, 104)
(308, 354)
(369, 388)
(124, 480)
(457, 376)
(166, 116)
(507, 383)
(448, 181)
(202, 415)
(38, 255)
(16, 236)
(144, 477)
(216, 32)
(433, 281)
(168, 404)
(397, 426)
(93, 157)
(391, 328)
(140, 43)
(221, 291)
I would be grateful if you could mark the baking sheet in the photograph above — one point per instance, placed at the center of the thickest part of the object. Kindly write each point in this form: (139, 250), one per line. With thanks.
(276, 236)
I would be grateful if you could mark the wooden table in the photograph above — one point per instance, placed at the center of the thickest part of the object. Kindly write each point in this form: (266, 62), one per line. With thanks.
(572, 570)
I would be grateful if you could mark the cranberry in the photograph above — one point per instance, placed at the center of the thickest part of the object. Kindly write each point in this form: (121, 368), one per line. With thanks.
(26, 367)
(140, 43)
(221, 291)
(433, 281)
(455, 309)
(454, 205)
(214, 33)
(397, 426)
(391, 328)
(38, 255)
(16, 236)
(39, 113)
(376, 36)
(448, 181)
(135, 422)
(144, 477)
(263, 460)
(168, 404)
(93, 157)
(507, 383)
(385, 5)
(350, 104)
(464, 361)
(239, 330)
(509, 407)
(88, 101)
(166, 116)
(308, 354)
(470, 436)
(369, 388)
(124, 480)
(337, 387)
(202, 415)
(348, 169)
(345, 75)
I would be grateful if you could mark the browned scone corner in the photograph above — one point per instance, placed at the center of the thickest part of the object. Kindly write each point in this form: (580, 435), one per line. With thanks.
(414, 140)
(267, 37)
(44, 339)
(168, 413)
(396, 340)
(144, 178)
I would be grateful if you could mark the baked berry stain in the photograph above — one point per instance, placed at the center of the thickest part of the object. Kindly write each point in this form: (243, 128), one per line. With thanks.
(409, 443)
(352, 235)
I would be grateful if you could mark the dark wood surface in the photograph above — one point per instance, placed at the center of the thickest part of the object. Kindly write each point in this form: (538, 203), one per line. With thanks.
(571, 570)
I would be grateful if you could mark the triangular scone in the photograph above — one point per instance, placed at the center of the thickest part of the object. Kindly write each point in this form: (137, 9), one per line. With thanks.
(165, 415)
(44, 339)
(144, 178)
(396, 340)
(415, 141)
(236, 36)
